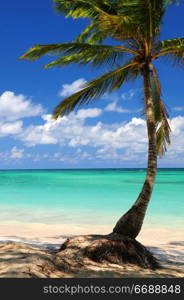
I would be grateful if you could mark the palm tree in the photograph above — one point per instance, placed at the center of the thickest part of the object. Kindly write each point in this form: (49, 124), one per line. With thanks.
(133, 26)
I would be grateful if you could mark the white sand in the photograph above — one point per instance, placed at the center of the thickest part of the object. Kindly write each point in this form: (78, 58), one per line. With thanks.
(166, 244)
(53, 232)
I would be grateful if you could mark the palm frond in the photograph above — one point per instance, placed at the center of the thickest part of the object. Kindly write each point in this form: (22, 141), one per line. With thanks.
(39, 50)
(149, 14)
(107, 18)
(118, 27)
(92, 54)
(161, 116)
(173, 49)
(83, 8)
(82, 37)
(81, 53)
(97, 87)
(117, 19)
(144, 16)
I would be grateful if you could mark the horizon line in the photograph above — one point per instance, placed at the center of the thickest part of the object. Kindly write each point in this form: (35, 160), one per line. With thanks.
(45, 169)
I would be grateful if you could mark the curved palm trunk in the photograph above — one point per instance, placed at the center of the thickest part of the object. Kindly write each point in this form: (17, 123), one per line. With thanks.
(131, 222)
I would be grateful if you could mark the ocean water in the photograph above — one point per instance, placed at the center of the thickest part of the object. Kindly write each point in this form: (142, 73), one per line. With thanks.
(88, 197)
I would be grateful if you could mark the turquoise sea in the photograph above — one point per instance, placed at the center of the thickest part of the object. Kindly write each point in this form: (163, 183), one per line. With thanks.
(88, 197)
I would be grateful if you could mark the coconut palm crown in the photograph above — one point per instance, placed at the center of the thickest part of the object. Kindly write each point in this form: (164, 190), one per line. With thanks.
(134, 27)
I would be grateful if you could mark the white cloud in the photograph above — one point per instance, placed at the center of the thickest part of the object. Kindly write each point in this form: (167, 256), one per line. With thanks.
(89, 113)
(113, 154)
(125, 141)
(14, 107)
(114, 107)
(73, 131)
(69, 89)
(16, 153)
(178, 108)
(128, 95)
(177, 125)
(177, 140)
(10, 128)
(38, 135)
(60, 130)
(72, 157)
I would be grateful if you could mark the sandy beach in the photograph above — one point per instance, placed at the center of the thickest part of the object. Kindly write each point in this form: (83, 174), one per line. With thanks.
(26, 251)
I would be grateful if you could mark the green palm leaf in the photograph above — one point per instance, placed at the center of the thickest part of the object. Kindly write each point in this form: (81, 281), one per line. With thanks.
(161, 116)
(96, 88)
(173, 49)
(118, 19)
(83, 8)
(79, 53)
(39, 50)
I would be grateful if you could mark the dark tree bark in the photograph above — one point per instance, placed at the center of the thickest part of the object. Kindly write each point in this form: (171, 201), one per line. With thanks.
(131, 222)
(112, 248)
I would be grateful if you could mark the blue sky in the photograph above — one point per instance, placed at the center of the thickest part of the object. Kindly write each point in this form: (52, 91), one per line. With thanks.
(109, 133)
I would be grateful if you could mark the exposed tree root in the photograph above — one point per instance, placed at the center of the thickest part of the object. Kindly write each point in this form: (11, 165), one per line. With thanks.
(112, 248)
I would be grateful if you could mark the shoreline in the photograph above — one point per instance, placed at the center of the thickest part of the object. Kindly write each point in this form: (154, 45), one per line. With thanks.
(149, 234)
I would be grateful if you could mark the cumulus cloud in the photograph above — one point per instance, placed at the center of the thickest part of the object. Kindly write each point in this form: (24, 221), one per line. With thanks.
(125, 141)
(178, 108)
(113, 154)
(114, 106)
(10, 128)
(72, 157)
(37, 135)
(16, 153)
(73, 131)
(62, 131)
(69, 89)
(177, 141)
(89, 113)
(14, 107)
